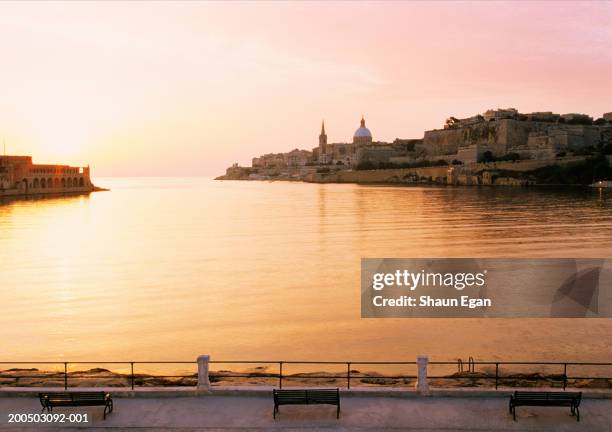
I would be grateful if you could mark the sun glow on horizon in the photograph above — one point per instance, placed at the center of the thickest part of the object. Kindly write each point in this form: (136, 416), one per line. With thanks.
(189, 88)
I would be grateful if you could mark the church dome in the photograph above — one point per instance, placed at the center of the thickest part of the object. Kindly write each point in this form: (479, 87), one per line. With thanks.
(362, 132)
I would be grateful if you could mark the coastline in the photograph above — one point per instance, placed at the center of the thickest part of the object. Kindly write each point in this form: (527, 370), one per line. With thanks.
(49, 195)
(556, 172)
(266, 377)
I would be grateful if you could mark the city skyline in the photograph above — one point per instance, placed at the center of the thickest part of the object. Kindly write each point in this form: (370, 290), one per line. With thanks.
(188, 88)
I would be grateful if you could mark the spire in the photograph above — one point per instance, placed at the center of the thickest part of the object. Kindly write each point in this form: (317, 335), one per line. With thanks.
(362, 121)
(322, 138)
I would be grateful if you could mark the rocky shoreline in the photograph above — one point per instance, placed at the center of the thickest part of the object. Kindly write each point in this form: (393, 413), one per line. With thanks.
(566, 171)
(263, 376)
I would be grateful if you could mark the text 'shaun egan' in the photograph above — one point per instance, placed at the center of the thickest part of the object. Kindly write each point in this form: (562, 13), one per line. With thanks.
(472, 288)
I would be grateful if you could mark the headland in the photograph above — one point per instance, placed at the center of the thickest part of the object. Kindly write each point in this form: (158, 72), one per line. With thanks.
(499, 147)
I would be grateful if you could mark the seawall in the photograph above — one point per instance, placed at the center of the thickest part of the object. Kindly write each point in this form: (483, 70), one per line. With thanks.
(468, 174)
(20, 193)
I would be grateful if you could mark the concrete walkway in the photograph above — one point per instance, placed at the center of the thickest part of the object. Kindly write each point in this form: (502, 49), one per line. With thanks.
(363, 413)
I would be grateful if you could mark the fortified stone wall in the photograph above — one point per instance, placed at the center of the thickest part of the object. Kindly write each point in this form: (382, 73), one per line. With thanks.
(470, 174)
(525, 165)
(376, 154)
(494, 135)
(381, 176)
(510, 135)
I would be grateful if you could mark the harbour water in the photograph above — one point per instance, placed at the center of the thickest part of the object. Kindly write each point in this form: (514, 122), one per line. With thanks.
(170, 268)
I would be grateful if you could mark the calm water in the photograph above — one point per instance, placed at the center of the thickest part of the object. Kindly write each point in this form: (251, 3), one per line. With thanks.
(167, 269)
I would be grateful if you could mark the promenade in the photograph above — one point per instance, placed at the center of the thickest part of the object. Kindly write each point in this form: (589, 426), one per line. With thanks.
(363, 412)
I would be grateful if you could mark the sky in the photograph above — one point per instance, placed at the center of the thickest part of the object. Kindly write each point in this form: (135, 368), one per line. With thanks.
(182, 89)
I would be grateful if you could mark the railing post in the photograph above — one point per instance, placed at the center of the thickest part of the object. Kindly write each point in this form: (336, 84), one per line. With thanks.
(132, 374)
(280, 375)
(65, 375)
(421, 385)
(203, 379)
(496, 374)
(348, 376)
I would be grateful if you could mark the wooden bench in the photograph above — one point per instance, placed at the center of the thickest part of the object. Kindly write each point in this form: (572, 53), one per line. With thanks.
(306, 397)
(76, 399)
(561, 399)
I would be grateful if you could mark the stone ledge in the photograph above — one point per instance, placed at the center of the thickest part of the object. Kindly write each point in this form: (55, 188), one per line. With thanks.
(145, 392)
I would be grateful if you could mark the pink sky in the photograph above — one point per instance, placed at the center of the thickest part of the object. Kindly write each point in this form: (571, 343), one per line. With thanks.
(188, 88)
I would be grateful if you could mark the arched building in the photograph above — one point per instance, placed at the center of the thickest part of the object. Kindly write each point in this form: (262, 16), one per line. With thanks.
(19, 176)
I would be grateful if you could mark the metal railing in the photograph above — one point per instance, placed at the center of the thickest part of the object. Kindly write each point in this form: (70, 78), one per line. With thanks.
(65, 374)
(465, 371)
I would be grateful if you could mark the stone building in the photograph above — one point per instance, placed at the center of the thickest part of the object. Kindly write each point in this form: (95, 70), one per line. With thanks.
(541, 116)
(270, 160)
(575, 118)
(541, 135)
(453, 122)
(343, 153)
(294, 158)
(500, 113)
(19, 176)
(297, 157)
(398, 152)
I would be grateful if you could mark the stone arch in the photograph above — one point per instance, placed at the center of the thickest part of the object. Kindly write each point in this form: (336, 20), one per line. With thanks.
(69, 182)
(56, 183)
(24, 183)
(43, 183)
(49, 183)
(63, 182)
(36, 184)
(75, 182)
(81, 182)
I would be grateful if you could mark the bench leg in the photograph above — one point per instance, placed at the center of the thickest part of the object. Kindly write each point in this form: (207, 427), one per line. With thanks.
(274, 411)
(514, 412)
(338, 411)
(109, 407)
(577, 414)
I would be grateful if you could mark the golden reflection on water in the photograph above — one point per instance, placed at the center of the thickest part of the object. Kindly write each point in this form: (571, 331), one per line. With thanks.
(167, 269)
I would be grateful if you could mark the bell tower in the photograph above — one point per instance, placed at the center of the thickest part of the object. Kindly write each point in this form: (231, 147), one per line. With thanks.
(323, 137)
(322, 142)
